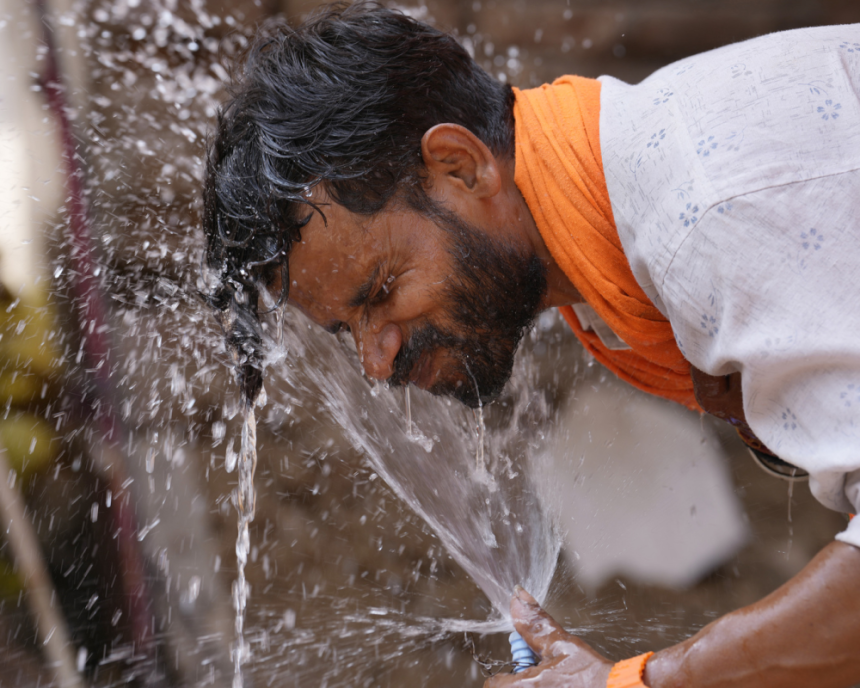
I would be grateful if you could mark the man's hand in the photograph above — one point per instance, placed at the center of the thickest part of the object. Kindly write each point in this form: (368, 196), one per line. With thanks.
(806, 633)
(566, 661)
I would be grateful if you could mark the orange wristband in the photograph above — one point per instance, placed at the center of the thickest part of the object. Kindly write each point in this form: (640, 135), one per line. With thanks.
(628, 673)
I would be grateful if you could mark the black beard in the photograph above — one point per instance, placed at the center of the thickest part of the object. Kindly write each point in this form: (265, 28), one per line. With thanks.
(494, 295)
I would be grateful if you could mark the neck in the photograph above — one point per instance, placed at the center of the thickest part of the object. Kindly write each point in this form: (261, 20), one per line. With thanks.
(560, 290)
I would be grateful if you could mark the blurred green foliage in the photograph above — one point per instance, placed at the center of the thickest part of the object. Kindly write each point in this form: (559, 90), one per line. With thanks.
(30, 370)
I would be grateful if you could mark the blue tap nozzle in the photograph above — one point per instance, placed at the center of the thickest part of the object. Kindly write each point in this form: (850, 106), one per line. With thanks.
(523, 656)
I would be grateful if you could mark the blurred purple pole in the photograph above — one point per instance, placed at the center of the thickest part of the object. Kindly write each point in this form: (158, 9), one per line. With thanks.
(94, 326)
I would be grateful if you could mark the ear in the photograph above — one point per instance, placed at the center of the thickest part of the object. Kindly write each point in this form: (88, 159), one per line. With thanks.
(455, 154)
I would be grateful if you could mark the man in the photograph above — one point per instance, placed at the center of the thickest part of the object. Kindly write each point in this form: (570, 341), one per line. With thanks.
(370, 172)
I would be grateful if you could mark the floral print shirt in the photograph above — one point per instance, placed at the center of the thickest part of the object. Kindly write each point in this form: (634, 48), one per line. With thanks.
(734, 178)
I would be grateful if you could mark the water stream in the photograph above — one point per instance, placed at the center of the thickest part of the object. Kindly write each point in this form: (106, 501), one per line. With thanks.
(246, 501)
(480, 429)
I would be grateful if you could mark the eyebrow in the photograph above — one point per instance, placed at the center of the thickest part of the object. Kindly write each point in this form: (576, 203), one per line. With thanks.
(362, 294)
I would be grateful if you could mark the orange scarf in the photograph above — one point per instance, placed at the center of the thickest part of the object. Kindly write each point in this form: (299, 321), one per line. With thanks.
(559, 171)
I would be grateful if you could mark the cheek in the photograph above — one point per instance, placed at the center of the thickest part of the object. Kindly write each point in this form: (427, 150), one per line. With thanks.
(405, 304)
(317, 306)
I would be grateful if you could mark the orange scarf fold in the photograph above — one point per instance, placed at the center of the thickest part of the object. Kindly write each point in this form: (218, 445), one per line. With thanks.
(559, 171)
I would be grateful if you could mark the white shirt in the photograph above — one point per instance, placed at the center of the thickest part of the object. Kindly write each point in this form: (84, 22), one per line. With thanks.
(734, 178)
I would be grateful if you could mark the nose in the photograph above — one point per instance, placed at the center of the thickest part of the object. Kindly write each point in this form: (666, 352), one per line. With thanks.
(378, 349)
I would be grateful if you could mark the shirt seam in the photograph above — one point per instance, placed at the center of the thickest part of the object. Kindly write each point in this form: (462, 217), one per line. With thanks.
(736, 196)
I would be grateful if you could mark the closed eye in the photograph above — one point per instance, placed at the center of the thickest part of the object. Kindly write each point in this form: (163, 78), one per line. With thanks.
(366, 291)
(386, 285)
(382, 292)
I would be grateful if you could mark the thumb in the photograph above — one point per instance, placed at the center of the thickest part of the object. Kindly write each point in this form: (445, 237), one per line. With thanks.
(536, 627)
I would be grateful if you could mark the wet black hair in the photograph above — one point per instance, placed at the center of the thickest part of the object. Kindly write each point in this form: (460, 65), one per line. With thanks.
(341, 100)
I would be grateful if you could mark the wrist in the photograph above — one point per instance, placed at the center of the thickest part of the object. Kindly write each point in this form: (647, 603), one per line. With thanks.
(663, 669)
(651, 673)
(629, 673)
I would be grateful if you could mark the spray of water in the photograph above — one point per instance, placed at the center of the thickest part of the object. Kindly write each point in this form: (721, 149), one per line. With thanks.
(491, 525)
(480, 459)
(172, 57)
(495, 529)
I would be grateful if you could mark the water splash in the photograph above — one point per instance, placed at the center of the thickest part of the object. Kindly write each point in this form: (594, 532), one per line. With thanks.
(167, 57)
(412, 433)
(480, 460)
(495, 529)
(408, 398)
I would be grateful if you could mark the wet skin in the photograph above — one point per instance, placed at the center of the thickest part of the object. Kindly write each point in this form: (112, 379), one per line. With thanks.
(378, 278)
(383, 277)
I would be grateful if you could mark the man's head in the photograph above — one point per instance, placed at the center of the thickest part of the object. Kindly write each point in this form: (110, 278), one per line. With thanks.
(359, 170)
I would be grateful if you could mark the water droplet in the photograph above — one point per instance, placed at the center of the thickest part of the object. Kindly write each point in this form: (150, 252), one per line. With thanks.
(81, 661)
(231, 457)
(219, 430)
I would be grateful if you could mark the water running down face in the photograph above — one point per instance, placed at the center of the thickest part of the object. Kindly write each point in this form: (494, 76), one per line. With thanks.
(430, 299)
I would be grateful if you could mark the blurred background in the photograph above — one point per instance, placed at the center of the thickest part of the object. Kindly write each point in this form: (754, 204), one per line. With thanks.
(117, 408)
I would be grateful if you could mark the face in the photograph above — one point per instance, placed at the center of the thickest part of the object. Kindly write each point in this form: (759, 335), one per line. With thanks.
(430, 300)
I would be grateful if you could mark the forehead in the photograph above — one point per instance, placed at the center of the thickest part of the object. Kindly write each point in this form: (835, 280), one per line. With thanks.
(341, 252)
(343, 239)
(335, 250)
(335, 239)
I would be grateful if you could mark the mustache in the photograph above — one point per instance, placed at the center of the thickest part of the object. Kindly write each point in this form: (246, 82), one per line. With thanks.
(423, 340)
(491, 298)
(470, 388)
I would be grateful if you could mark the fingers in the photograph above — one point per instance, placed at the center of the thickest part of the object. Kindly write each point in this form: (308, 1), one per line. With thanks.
(537, 627)
(499, 681)
(565, 661)
(514, 680)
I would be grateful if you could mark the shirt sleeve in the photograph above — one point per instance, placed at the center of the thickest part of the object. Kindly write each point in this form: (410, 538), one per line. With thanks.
(851, 534)
(766, 284)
